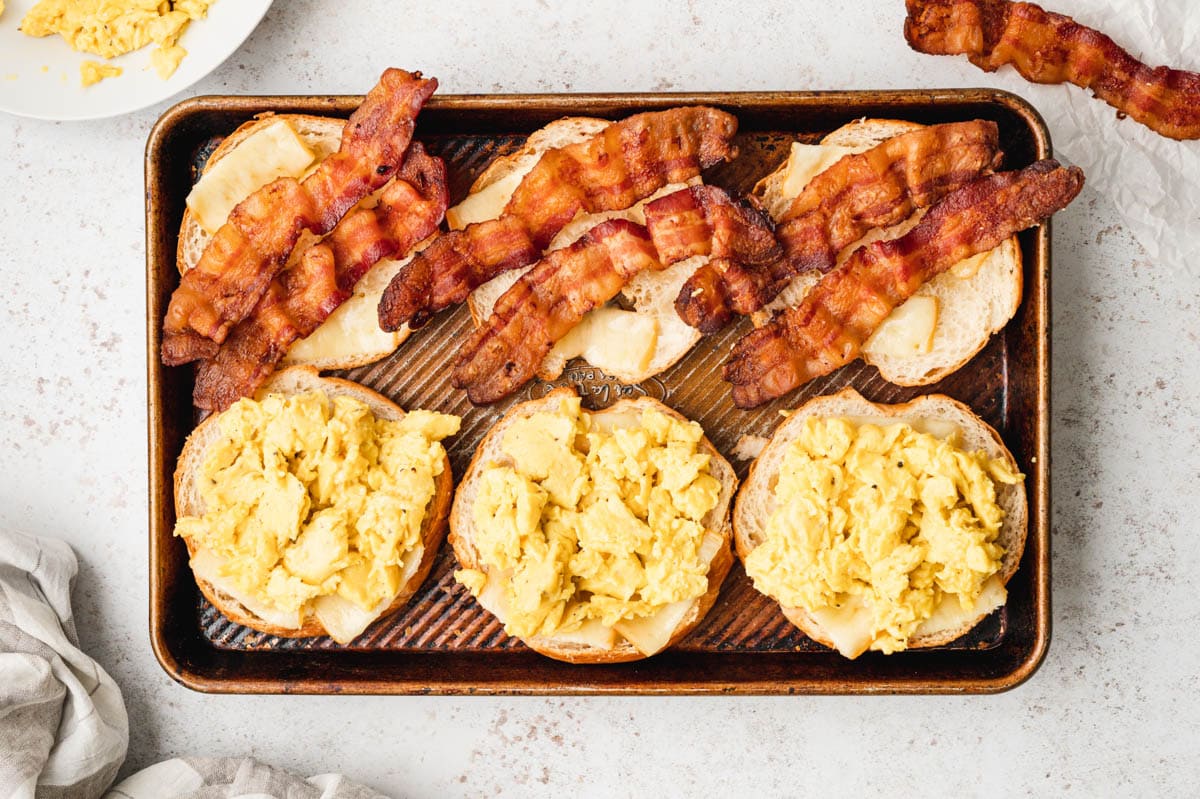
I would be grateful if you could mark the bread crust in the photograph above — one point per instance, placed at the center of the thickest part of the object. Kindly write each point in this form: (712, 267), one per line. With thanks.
(718, 521)
(755, 502)
(291, 381)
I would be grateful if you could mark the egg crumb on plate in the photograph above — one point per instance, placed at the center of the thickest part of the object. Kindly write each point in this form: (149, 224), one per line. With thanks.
(309, 496)
(109, 28)
(95, 71)
(590, 523)
(882, 522)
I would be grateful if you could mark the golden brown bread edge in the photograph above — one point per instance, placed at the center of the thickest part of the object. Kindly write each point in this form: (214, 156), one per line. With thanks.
(295, 380)
(569, 652)
(976, 435)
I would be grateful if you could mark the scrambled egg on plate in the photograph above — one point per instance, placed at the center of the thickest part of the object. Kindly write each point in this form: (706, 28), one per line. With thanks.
(109, 28)
(588, 523)
(307, 496)
(883, 519)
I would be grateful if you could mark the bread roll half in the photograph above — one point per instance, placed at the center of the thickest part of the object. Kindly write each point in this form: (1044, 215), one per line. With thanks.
(971, 301)
(931, 413)
(346, 620)
(671, 623)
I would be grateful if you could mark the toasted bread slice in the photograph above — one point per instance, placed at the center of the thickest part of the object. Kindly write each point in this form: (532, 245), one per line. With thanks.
(350, 336)
(755, 502)
(680, 618)
(347, 620)
(973, 300)
(607, 338)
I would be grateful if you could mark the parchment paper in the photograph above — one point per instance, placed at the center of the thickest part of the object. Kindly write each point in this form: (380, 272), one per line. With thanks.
(1154, 181)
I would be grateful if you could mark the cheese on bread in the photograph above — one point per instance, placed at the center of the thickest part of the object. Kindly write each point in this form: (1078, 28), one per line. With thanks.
(262, 150)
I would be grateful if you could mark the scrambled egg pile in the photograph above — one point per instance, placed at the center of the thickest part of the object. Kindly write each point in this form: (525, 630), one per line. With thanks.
(109, 28)
(883, 518)
(307, 496)
(588, 523)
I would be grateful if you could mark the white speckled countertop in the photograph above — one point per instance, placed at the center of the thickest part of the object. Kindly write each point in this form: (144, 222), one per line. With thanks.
(1114, 708)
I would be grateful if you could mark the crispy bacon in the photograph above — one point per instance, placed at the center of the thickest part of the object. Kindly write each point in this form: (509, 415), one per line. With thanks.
(248, 251)
(828, 328)
(626, 162)
(876, 188)
(300, 298)
(1046, 47)
(545, 303)
(704, 220)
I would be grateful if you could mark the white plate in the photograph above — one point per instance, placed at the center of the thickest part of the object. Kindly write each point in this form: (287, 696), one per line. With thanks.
(40, 77)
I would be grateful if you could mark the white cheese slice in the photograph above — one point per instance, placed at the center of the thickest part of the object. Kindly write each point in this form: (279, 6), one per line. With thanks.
(352, 331)
(949, 615)
(848, 627)
(610, 339)
(806, 161)
(590, 633)
(272, 152)
(938, 428)
(488, 203)
(651, 634)
(344, 620)
(907, 330)
(207, 565)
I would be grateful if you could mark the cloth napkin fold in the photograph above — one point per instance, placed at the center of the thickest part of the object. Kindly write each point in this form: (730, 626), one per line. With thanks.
(233, 778)
(63, 728)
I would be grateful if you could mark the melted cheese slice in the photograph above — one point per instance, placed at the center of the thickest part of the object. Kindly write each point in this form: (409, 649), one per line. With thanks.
(651, 634)
(908, 330)
(206, 565)
(938, 428)
(488, 203)
(272, 152)
(344, 620)
(848, 628)
(806, 161)
(611, 340)
(352, 331)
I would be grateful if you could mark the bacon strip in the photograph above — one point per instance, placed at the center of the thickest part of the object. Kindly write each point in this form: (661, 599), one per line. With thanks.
(1046, 47)
(876, 188)
(704, 220)
(626, 162)
(299, 299)
(828, 328)
(545, 303)
(253, 245)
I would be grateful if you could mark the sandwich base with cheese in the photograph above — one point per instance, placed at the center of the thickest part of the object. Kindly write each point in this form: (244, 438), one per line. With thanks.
(268, 147)
(296, 505)
(871, 543)
(594, 537)
(949, 319)
(631, 339)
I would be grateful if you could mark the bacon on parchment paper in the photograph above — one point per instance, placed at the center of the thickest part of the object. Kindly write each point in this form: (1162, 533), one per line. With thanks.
(1046, 47)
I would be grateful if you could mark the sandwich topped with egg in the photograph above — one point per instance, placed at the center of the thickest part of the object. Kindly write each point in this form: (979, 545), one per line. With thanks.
(314, 508)
(882, 527)
(595, 537)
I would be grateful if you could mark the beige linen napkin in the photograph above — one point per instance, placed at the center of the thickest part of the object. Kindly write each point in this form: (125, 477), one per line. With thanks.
(63, 729)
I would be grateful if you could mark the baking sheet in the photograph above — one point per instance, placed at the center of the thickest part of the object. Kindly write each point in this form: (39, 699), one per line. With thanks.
(443, 642)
